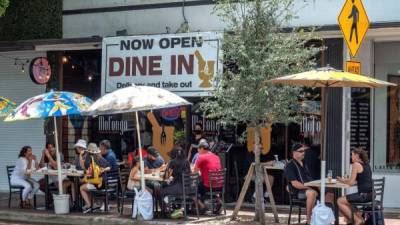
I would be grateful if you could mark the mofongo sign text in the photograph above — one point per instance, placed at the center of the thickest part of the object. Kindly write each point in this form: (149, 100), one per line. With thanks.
(182, 63)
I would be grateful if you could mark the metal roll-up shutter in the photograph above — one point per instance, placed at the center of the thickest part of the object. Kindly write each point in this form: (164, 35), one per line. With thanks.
(17, 85)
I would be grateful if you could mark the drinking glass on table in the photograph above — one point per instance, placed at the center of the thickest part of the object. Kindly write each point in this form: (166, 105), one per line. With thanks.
(329, 176)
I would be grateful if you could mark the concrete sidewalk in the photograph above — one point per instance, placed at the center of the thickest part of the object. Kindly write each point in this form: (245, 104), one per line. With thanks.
(15, 214)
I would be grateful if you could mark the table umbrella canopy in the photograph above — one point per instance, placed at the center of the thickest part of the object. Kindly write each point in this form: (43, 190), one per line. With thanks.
(330, 77)
(53, 103)
(6, 106)
(135, 98)
(327, 77)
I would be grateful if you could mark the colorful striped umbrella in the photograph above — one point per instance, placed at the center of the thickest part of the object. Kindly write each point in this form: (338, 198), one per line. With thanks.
(51, 104)
(6, 106)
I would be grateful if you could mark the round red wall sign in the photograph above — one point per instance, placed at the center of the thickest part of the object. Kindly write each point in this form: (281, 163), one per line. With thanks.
(40, 70)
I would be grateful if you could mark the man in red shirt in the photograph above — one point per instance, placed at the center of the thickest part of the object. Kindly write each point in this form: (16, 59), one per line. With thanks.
(206, 162)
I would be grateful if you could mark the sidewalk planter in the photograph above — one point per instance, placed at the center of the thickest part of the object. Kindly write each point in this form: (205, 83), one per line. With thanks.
(61, 204)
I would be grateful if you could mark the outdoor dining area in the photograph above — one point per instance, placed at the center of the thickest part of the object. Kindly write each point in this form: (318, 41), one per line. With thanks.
(155, 188)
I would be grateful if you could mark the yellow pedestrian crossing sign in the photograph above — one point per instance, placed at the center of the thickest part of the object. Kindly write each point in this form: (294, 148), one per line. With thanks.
(354, 23)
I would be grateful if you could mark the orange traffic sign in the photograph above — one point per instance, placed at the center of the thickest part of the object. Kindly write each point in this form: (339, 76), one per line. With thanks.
(354, 23)
(353, 67)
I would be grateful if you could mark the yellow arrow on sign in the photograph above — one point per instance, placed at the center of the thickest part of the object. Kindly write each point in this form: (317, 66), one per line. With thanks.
(354, 23)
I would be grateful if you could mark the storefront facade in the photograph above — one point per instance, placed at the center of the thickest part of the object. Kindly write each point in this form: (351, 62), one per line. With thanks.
(17, 85)
(378, 56)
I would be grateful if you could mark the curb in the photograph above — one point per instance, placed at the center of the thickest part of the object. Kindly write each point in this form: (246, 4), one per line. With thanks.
(71, 219)
(24, 216)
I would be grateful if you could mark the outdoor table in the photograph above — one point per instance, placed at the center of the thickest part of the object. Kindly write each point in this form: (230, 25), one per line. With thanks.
(154, 177)
(250, 172)
(50, 172)
(280, 168)
(334, 184)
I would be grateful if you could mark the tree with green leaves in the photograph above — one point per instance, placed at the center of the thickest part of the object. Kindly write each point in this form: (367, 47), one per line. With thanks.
(259, 45)
(3, 6)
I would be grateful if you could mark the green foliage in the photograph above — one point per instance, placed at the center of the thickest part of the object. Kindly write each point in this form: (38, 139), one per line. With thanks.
(179, 135)
(258, 47)
(3, 6)
(31, 19)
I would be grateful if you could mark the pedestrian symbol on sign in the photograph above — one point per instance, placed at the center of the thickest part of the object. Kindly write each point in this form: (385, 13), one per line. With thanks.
(355, 16)
(353, 22)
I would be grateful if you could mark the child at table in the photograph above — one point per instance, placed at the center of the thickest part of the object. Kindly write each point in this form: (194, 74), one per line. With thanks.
(134, 176)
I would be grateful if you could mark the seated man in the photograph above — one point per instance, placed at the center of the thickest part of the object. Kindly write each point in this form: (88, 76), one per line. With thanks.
(153, 161)
(108, 154)
(206, 162)
(49, 158)
(297, 174)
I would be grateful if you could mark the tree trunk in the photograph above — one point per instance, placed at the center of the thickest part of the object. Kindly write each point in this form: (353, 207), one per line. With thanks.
(259, 207)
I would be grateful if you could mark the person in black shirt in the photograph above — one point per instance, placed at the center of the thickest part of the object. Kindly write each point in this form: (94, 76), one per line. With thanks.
(297, 173)
(198, 134)
(312, 161)
(362, 175)
(176, 167)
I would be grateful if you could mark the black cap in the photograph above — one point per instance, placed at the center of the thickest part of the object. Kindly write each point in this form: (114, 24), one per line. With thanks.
(296, 146)
(152, 151)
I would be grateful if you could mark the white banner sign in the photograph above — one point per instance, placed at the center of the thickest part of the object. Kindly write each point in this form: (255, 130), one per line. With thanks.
(182, 63)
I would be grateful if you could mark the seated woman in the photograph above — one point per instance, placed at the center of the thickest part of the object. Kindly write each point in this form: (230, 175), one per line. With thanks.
(26, 160)
(134, 175)
(362, 175)
(86, 163)
(80, 148)
(175, 168)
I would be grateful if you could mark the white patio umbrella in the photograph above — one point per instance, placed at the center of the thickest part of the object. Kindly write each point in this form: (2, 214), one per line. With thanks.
(135, 99)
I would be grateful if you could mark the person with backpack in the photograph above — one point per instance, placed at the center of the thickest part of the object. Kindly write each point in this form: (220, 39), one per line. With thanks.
(94, 165)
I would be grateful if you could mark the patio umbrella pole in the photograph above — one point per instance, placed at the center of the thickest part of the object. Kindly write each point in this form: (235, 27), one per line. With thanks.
(323, 152)
(140, 153)
(60, 191)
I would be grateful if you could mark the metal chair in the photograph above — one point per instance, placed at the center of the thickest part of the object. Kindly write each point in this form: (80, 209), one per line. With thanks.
(190, 184)
(124, 192)
(16, 188)
(294, 201)
(376, 205)
(13, 188)
(111, 189)
(217, 188)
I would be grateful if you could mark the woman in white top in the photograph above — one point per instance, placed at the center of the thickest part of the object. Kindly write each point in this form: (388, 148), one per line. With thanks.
(26, 160)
